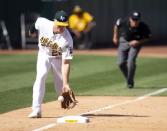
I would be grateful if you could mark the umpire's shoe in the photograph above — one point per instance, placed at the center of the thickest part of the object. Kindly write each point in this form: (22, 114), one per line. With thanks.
(130, 86)
(35, 114)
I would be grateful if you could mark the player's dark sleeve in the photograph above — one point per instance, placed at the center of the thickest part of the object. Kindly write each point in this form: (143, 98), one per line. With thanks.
(32, 29)
(146, 31)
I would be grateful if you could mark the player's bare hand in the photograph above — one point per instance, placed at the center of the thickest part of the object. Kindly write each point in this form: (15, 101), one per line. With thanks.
(66, 88)
(115, 41)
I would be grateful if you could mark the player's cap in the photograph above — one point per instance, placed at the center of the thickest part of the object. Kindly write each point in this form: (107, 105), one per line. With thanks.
(61, 18)
(135, 15)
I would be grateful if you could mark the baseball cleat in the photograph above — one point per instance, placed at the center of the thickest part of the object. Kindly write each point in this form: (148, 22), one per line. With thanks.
(130, 86)
(35, 115)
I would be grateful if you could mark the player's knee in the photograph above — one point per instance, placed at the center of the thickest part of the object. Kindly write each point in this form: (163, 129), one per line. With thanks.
(121, 64)
(131, 63)
(41, 77)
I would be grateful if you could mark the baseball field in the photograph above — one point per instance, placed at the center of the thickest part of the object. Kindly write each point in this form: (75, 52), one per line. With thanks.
(99, 87)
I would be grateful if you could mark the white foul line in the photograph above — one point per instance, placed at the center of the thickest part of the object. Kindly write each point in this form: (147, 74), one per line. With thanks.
(127, 102)
(45, 127)
(108, 107)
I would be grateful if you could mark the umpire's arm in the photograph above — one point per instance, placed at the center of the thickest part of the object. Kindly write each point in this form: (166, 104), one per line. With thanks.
(115, 35)
(116, 31)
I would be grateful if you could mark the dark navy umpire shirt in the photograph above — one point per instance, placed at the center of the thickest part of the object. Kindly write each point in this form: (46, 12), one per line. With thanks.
(129, 33)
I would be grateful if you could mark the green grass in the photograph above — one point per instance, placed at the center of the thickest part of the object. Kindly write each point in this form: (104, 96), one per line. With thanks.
(90, 75)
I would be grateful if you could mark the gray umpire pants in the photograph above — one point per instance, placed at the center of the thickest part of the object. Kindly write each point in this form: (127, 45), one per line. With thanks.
(127, 60)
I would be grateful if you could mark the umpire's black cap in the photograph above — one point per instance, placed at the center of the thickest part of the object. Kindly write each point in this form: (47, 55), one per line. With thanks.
(135, 15)
(61, 18)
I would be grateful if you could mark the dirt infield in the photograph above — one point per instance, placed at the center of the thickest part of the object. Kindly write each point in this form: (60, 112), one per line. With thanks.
(155, 51)
(160, 51)
(148, 114)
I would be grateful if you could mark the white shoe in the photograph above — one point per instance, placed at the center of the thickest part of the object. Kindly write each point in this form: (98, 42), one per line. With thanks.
(35, 114)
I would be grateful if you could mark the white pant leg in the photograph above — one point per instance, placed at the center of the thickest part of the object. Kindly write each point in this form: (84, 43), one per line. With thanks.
(43, 67)
(56, 67)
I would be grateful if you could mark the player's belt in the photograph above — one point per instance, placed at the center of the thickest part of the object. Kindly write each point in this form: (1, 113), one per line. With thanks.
(51, 54)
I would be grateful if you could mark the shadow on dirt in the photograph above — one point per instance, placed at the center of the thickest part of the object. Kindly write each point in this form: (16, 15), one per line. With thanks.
(112, 115)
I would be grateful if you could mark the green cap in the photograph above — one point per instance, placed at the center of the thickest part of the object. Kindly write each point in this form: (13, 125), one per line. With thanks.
(61, 18)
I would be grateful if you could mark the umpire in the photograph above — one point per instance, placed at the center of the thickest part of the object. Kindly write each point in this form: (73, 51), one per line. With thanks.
(130, 34)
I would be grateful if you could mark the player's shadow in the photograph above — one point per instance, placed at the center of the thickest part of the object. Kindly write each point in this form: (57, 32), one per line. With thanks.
(112, 115)
(100, 115)
(150, 87)
(51, 116)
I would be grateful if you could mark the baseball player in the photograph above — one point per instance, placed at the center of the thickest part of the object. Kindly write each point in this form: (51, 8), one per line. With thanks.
(130, 33)
(55, 52)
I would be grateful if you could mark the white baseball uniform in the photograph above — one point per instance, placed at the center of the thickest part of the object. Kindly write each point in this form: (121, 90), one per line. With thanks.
(49, 57)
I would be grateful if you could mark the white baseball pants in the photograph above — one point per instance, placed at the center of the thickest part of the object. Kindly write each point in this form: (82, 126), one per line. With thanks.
(44, 64)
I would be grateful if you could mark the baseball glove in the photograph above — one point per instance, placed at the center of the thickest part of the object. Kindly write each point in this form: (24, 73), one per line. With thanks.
(69, 100)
